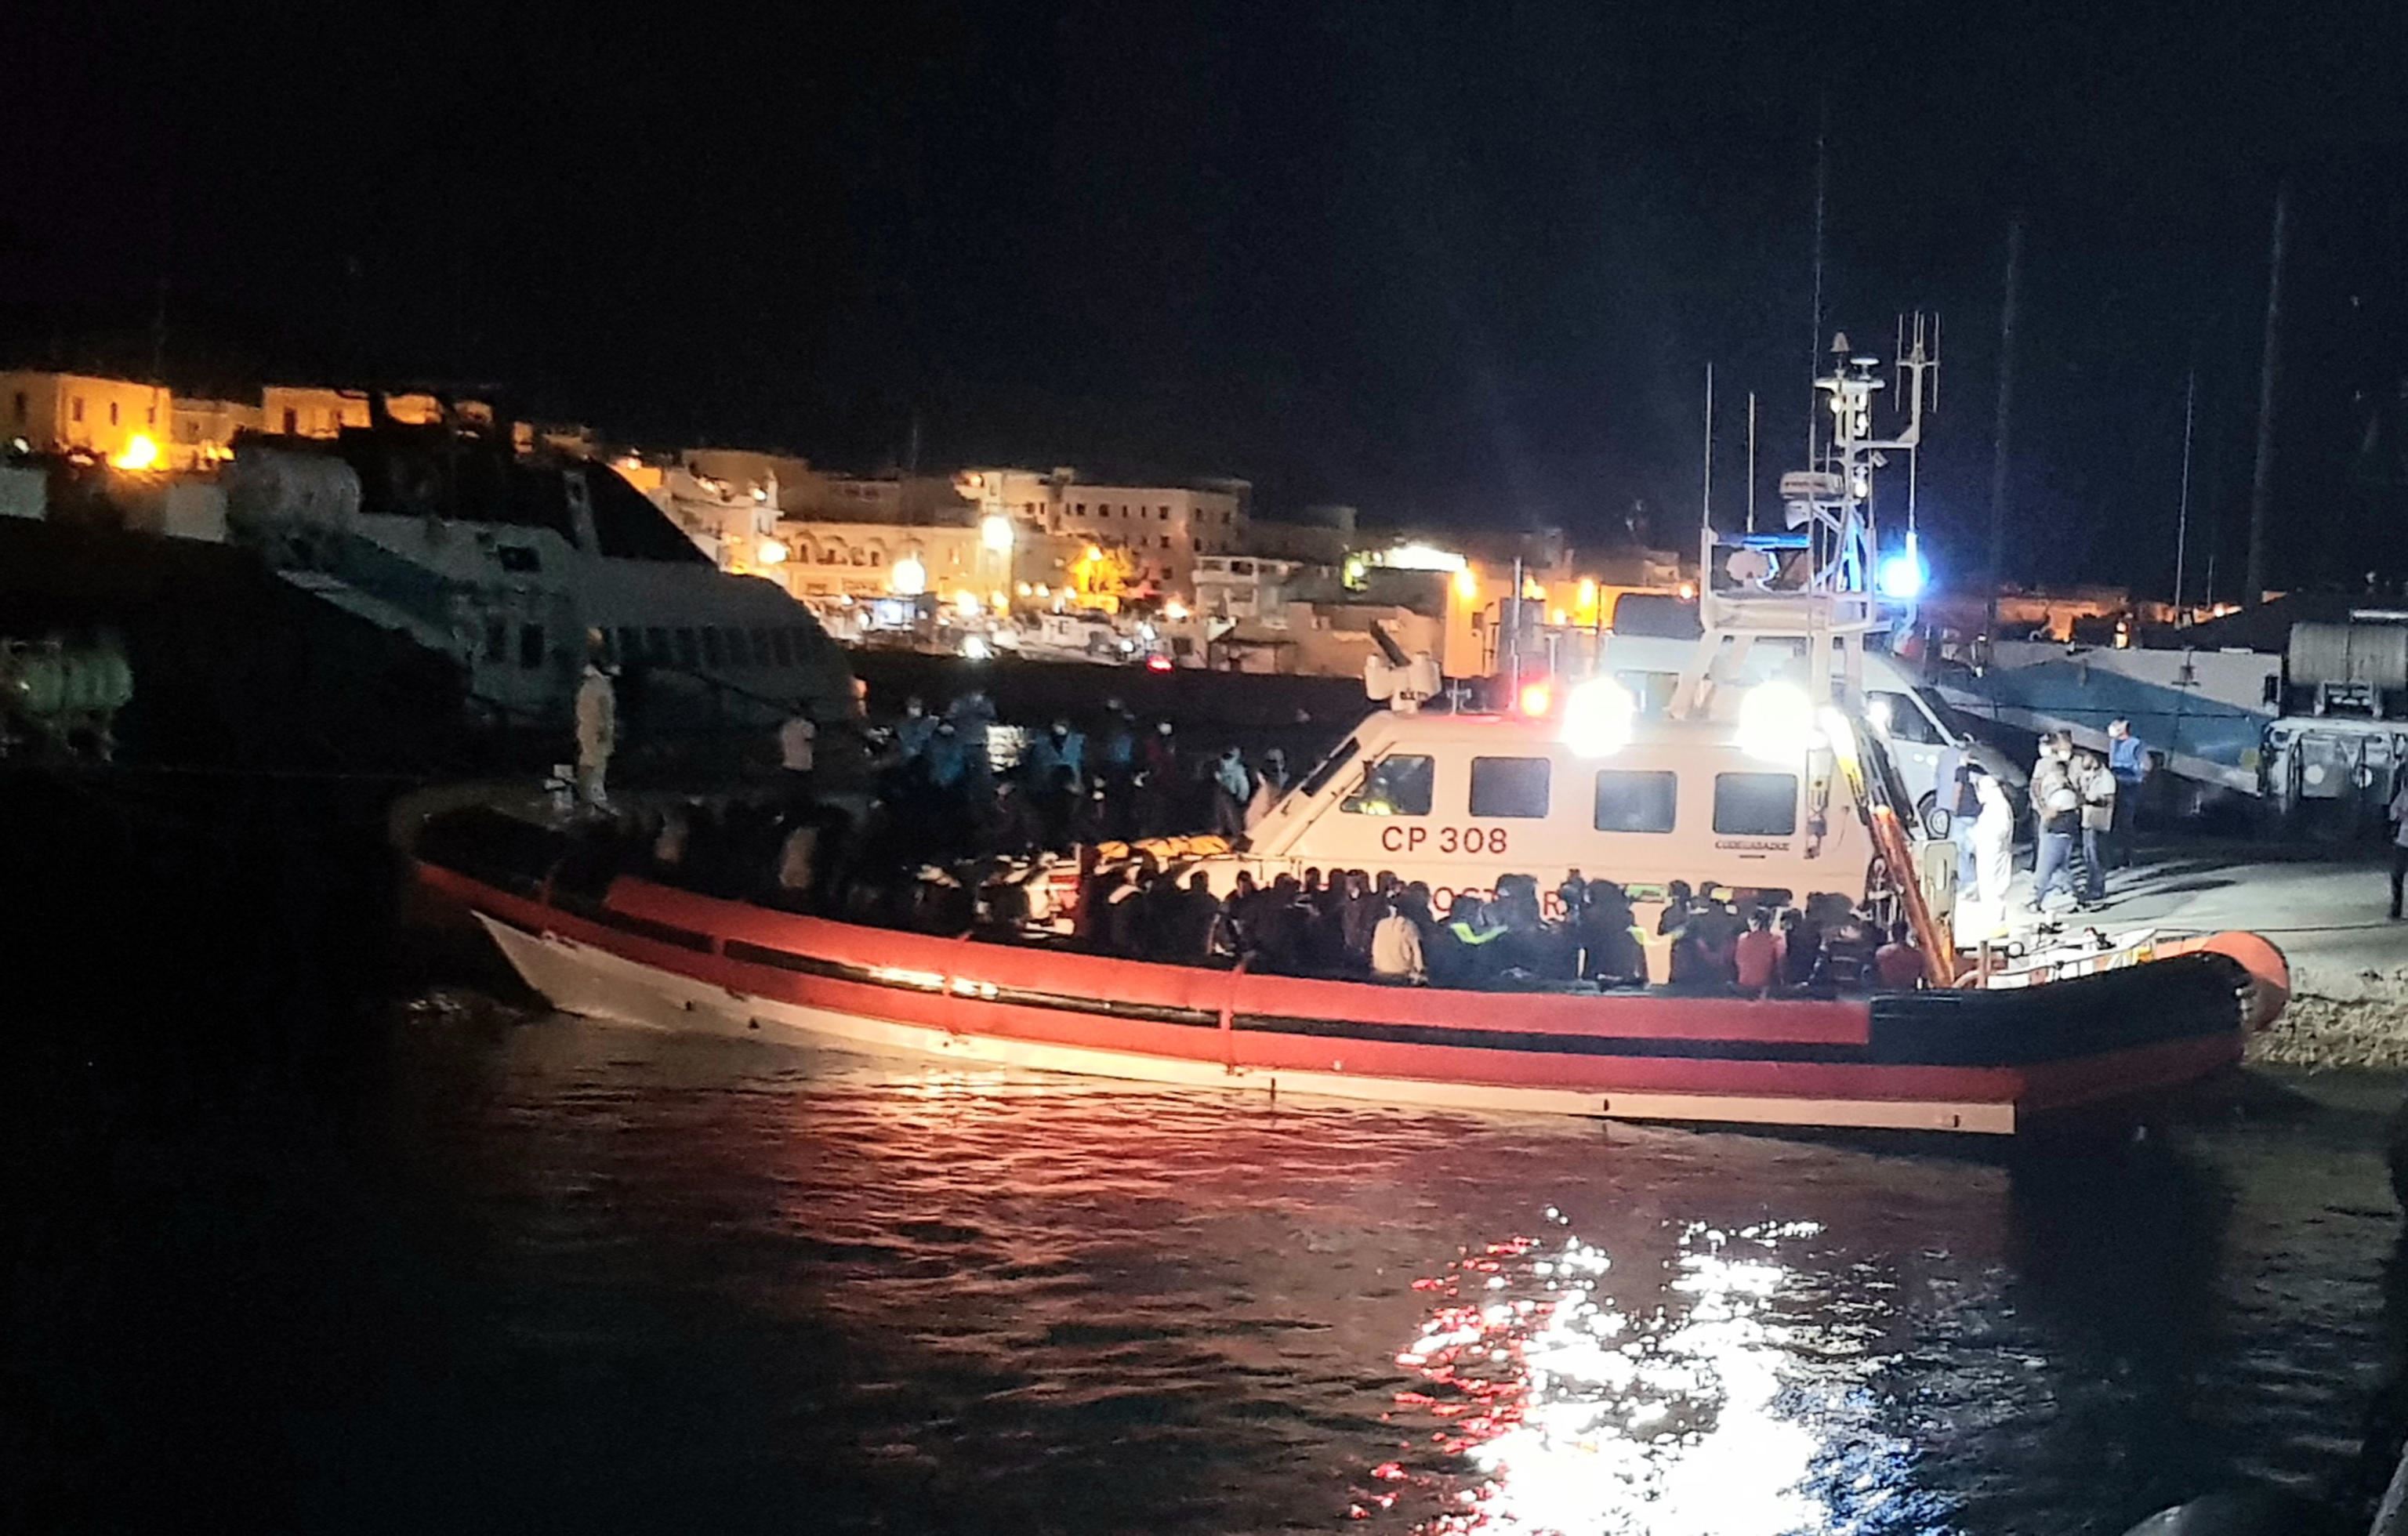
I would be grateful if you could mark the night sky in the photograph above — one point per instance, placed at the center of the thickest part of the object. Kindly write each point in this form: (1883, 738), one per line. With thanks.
(1456, 264)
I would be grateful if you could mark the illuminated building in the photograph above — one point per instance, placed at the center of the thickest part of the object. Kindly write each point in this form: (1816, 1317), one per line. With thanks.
(57, 412)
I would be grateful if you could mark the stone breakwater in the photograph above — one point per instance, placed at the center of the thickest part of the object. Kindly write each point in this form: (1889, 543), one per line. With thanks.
(2340, 1019)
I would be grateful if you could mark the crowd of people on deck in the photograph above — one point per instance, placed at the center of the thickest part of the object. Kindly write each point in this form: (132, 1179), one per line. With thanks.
(1127, 781)
(944, 851)
(1358, 925)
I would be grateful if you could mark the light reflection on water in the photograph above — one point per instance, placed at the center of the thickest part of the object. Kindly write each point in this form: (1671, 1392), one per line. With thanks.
(884, 1296)
(1589, 1399)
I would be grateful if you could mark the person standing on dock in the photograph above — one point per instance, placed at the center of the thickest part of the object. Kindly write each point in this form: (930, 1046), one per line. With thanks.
(2398, 814)
(2127, 759)
(2098, 785)
(2057, 807)
(597, 732)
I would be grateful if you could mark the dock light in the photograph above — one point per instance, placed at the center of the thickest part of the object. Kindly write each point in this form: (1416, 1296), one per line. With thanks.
(1776, 722)
(1537, 698)
(1174, 610)
(1902, 575)
(1688, 591)
(1598, 715)
(141, 451)
(770, 553)
(1466, 585)
(1158, 663)
(994, 532)
(908, 578)
(966, 603)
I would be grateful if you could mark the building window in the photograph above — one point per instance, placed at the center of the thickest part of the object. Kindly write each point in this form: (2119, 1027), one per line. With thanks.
(1163, 515)
(1398, 786)
(1756, 804)
(112, 413)
(497, 640)
(21, 407)
(292, 420)
(75, 411)
(1637, 800)
(530, 647)
(151, 416)
(1512, 788)
(1079, 508)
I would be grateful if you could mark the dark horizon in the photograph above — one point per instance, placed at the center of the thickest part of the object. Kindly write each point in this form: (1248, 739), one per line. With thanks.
(1453, 271)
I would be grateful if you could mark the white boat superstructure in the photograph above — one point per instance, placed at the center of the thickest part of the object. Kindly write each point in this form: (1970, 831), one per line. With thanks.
(510, 563)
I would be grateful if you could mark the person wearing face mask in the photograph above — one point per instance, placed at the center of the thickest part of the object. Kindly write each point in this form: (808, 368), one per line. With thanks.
(2057, 807)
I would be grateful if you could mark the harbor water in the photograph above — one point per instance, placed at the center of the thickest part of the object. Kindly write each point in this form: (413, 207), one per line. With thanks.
(521, 1270)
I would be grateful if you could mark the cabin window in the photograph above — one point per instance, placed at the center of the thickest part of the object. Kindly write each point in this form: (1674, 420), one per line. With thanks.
(761, 654)
(1637, 800)
(530, 646)
(1396, 786)
(689, 649)
(714, 653)
(656, 644)
(631, 645)
(1510, 787)
(518, 557)
(1756, 804)
(497, 639)
(1900, 720)
(785, 647)
(1339, 758)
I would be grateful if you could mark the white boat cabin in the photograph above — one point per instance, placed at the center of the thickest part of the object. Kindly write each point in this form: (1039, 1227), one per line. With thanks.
(1458, 799)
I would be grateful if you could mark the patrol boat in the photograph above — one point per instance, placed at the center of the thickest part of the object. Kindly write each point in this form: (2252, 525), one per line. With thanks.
(1778, 789)
(511, 562)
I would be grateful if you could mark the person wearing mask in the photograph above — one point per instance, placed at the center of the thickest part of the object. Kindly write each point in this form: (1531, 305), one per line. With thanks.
(1802, 948)
(2056, 808)
(1396, 947)
(1962, 800)
(2127, 759)
(1232, 787)
(1270, 782)
(1755, 956)
(2098, 787)
(597, 732)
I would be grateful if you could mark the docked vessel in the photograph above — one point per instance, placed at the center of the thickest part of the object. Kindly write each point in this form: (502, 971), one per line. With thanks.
(1769, 787)
(1984, 1060)
(512, 564)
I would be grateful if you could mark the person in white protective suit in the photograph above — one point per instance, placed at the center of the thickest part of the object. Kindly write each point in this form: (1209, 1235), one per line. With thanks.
(1984, 914)
(598, 733)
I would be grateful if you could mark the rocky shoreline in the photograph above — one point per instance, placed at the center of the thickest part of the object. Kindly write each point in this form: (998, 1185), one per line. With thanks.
(2340, 1019)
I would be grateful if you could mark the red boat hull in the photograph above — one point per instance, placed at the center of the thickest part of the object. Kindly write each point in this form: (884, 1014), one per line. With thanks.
(1974, 1061)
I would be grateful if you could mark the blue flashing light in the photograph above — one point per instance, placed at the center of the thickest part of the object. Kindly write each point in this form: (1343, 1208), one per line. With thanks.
(1902, 577)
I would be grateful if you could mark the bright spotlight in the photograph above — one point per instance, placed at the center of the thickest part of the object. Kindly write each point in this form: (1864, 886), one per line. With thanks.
(1776, 722)
(1597, 718)
(995, 531)
(1537, 698)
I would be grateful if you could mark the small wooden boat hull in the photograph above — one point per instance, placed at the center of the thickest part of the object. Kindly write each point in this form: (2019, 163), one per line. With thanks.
(1993, 1062)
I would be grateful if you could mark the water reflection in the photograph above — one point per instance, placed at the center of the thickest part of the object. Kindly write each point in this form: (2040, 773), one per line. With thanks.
(1662, 1395)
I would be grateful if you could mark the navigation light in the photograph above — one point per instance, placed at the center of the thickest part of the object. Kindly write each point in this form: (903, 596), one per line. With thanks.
(1902, 575)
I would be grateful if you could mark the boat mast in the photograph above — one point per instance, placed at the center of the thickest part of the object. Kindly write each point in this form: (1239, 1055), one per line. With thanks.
(2182, 515)
(2261, 478)
(2006, 417)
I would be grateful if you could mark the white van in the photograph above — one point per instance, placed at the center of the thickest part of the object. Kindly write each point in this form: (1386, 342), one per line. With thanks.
(1918, 726)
